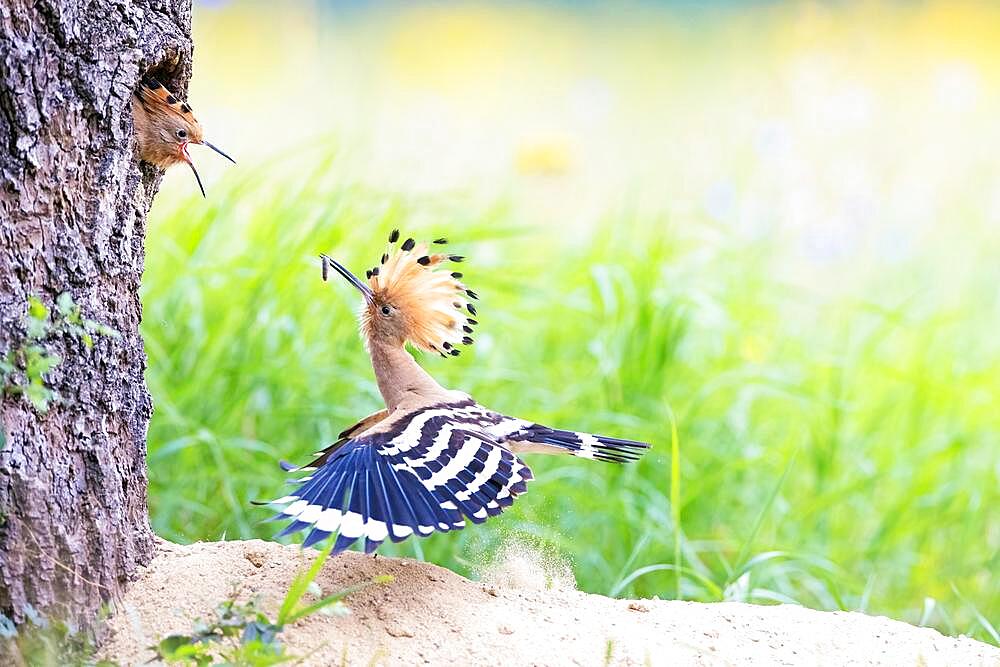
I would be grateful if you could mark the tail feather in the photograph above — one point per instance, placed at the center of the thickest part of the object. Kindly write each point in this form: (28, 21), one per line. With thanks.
(585, 445)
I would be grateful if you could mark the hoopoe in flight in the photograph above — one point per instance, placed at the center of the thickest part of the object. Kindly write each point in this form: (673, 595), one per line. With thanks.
(165, 126)
(433, 458)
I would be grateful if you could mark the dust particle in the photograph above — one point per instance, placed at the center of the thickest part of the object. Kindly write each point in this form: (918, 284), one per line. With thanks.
(518, 565)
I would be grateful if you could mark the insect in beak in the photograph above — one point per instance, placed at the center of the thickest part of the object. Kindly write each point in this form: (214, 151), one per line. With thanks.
(350, 277)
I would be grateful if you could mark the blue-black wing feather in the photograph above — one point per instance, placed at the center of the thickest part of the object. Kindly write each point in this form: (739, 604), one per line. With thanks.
(406, 480)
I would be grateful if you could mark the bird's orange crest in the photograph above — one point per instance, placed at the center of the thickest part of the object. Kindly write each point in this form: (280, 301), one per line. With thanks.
(411, 296)
(155, 96)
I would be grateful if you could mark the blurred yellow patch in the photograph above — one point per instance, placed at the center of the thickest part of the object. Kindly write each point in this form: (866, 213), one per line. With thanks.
(550, 157)
(449, 46)
(753, 349)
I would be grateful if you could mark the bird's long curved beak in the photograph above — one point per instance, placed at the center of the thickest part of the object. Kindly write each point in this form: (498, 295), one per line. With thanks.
(350, 277)
(187, 158)
(218, 150)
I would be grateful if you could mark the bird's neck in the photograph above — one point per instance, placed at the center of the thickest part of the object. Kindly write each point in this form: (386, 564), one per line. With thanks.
(401, 381)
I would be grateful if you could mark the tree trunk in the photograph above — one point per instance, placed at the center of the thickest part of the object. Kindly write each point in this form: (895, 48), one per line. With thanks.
(73, 202)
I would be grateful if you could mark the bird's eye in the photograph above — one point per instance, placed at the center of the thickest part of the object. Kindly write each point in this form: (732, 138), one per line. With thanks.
(385, 310)
(182, 133)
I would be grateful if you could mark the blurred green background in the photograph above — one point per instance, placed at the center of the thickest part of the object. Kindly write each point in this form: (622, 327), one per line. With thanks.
(777, 221)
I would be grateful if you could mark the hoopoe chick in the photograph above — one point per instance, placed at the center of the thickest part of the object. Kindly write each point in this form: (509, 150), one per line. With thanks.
(433, 458)
(165, 126)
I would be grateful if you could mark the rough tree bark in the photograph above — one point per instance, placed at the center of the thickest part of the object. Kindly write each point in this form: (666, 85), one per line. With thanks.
(73, 202)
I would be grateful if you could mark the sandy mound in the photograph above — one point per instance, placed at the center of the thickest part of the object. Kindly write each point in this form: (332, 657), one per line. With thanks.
(432, 616)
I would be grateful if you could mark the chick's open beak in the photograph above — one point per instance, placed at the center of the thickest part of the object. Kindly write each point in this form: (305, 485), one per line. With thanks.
(218, 150)
(350, 277)
(187, 158)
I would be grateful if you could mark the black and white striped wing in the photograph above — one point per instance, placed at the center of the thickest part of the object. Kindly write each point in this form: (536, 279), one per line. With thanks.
(431, 471)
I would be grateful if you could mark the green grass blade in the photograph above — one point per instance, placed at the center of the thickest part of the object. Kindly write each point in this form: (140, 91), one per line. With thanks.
(300, 584)
(748, 542)
(675, 500)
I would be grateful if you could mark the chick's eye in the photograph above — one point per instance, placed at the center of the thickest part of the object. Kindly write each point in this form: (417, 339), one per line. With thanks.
(385, 310)
(182, 133)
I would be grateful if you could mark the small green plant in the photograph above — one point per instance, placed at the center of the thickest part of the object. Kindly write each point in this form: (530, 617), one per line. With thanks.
(240, 634)
(43, 642)
(609, 652)
(243, 635)
(25, 368)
